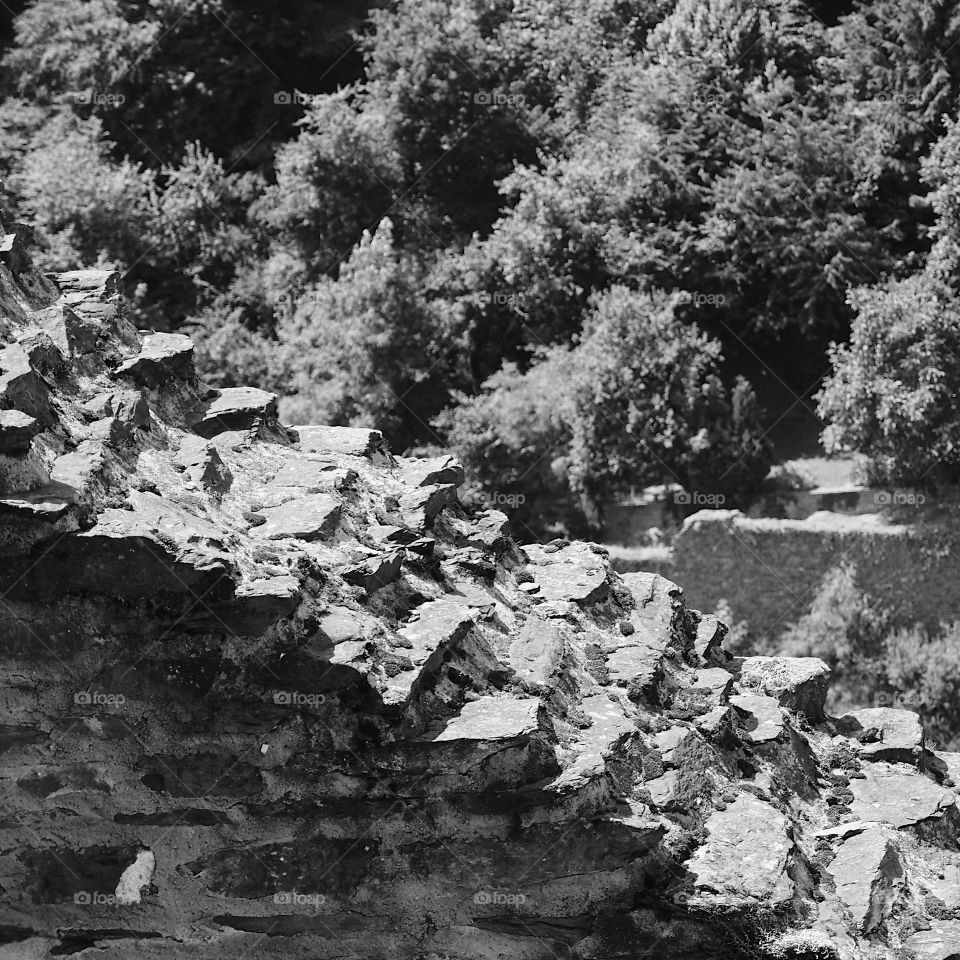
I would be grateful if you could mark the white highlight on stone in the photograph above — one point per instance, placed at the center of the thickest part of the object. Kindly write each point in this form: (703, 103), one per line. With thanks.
(137, 875)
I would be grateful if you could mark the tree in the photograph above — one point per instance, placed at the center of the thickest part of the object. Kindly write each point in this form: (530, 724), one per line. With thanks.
(369, 348)
(637, 401)
(162, 74)
(891, 392)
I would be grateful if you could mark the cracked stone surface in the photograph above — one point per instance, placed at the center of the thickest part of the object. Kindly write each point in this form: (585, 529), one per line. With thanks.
(272, 692)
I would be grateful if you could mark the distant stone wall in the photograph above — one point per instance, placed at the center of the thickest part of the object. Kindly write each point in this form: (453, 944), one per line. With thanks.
(769, 570)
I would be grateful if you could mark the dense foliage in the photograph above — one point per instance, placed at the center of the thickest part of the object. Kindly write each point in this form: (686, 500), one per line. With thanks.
(876, 658)
(548, 232)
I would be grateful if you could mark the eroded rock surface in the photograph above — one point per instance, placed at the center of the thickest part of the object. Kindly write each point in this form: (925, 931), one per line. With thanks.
(270, 692)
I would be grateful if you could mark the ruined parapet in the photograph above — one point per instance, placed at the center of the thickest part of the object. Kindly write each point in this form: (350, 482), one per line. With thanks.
(271, 692)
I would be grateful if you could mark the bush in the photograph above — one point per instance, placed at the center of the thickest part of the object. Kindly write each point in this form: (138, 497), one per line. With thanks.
(636, 401)
(369, 348)
(847, 629)
(923, 672)
(877, 661)
(514, 437)
(891, 393)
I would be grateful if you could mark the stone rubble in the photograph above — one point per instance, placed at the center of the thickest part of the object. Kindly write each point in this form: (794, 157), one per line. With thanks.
(272, 692)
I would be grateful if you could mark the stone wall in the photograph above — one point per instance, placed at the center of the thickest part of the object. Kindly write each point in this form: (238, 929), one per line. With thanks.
(769, 570)
(271, 692)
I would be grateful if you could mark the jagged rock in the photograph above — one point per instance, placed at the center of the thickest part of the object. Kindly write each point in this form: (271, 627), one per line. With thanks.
(202, 462)
(710, 688)
(314, 476)
(71, 334)
(313, 517)
(495, 754)
(573, 573)
(162, 357)
(745, 858)
(799, 683)
(940, 942)
(763, 717)
(884, 733)
(259, 604)
(21, 387)
(867, 871)
(710, 633)
(13, 251)
(17, 429)
(44, 355)
(49, 502)
(237, 408)
(430, 471)
(537, 651)
(156, 548)
(423, 504)
(945, 885)
(435, 631)
(80, 468)
(495, 718)
(376, 572)
(894, 795)
(345, 441)
(129, 407)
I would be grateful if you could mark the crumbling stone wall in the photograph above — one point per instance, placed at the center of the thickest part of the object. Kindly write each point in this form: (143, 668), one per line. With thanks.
(273, 692)
(769, 570)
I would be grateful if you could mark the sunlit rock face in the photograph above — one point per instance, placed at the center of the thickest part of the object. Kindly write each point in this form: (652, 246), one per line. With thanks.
(269, 691)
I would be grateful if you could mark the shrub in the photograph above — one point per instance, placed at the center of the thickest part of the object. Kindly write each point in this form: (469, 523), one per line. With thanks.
(847, 629)
(891, 393)
(369, 348)
(636, 401)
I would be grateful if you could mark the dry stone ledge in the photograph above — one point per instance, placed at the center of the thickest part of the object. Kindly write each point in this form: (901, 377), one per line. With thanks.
(345, 441)
(893, 794)
(745, 858)
(797, 682)
(275, 693)
(162, 357)
(17, 429)
(313, 517)
(236, 408)
(868, 874)
(885, 733)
